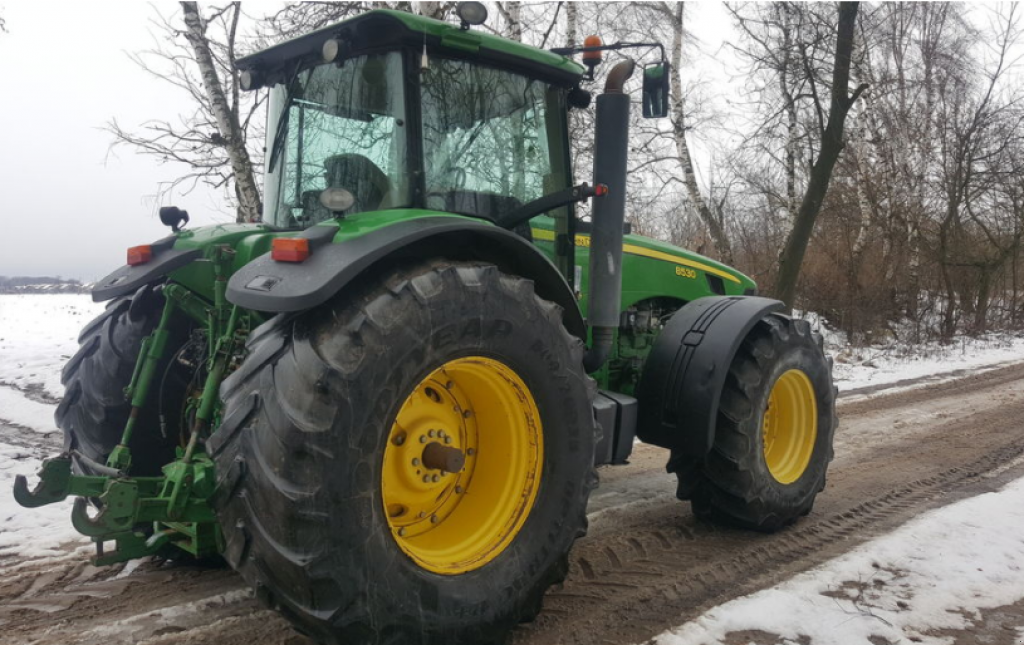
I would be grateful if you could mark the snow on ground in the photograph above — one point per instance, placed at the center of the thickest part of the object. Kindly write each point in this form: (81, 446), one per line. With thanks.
(38, 333)
(935, 573)
(891, 362)
(16, 408)
(37, 532)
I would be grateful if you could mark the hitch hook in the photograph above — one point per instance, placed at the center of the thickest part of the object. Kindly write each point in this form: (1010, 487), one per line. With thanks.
(96, 526)
(54, 484)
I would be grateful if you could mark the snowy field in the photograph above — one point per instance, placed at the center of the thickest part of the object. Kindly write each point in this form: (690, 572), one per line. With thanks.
(938, 572)
(894, 589)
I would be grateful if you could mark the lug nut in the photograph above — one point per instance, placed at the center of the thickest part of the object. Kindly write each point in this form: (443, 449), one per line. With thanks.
(423, 438)
(400, 439)
(435, 478)
(449, 385)
(401, 532)
(423, 513)
(447, 439)
(471, 451)
(458, 490)
(426, 479)
(430, 433)
(467, 414)
(415, 461)
(434, 519)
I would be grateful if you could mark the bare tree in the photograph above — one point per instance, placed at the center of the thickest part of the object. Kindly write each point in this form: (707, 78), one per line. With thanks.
(832, 144)
(213, 141)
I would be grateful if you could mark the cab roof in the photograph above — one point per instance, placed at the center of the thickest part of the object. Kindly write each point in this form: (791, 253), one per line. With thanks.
(383, 29)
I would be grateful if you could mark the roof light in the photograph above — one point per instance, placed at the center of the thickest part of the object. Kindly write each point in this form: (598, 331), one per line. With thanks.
(290, 249)
(250, 79)
(592, 57)
(330, 50)
(139, 255)
(471, 13)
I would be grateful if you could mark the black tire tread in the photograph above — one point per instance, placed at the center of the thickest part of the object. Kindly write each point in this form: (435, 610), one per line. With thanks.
(728, 490)
(94, 410)
(281, 366)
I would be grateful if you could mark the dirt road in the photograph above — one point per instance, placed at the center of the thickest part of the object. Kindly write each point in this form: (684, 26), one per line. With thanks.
(647, 564)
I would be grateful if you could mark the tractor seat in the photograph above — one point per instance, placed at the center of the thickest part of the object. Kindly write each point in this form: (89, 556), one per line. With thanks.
(361, 177)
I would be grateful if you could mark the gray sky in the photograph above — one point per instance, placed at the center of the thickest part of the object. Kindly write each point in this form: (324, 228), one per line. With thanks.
(70, 206)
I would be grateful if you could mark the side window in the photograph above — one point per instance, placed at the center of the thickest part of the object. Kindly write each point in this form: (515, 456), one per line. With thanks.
(485, 139)
(340, 127)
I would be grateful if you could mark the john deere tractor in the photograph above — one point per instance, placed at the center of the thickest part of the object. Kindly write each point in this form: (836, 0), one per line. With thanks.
(384, 404)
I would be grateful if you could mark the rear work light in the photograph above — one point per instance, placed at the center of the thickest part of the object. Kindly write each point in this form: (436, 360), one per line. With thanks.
(290, 249)
(139, 255)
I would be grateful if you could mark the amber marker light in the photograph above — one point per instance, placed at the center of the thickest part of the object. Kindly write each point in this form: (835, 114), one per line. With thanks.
(593, 57)
(290, 249)
(139, 255)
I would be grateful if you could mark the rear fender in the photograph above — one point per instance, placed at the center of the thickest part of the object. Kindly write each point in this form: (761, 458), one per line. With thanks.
(682, 379)
(270, 286)
(128, 279)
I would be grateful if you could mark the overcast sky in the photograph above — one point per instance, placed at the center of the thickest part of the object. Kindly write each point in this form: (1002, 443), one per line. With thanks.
(70, 206)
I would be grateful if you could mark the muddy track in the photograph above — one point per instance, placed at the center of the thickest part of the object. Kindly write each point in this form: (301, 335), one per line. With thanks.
(647, 564)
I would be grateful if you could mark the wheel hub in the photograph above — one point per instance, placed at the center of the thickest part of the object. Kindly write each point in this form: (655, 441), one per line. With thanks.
(790, 426)
(462, 465)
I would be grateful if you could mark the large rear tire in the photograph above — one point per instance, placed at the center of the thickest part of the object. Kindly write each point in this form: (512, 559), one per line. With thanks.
(331, 506)
(773, 438)
(94, 410)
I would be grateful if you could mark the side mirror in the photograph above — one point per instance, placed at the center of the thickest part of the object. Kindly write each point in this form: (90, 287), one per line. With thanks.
(656, 83)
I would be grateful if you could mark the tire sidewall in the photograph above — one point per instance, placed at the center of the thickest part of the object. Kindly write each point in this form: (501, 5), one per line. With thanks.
(398, 594)
(800, 353)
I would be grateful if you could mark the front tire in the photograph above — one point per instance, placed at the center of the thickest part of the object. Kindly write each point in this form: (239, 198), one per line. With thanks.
(773, 438)
(332, 508)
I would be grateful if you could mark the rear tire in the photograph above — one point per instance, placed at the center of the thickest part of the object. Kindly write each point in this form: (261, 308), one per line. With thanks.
(94, 410)
(773, 438)
(319, 516)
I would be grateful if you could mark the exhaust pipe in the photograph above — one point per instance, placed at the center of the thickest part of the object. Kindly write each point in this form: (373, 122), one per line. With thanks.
(611, 143)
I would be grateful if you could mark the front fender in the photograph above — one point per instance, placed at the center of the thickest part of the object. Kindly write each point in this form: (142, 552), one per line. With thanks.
(267, 285)
(682, 379)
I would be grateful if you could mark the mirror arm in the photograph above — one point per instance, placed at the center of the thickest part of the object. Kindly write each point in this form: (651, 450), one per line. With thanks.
(546, 203)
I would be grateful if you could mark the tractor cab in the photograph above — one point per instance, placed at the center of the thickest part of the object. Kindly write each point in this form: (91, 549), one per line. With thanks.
(395, 111)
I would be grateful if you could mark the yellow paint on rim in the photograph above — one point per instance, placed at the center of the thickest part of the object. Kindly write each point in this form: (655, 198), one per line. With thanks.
(790, 426)
(545, 235)
(455, 522)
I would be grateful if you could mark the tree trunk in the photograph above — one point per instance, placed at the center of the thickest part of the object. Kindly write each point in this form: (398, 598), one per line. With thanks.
(226, 116)
(571, 23)
(512, 13)
(715, 226)
(821, 173)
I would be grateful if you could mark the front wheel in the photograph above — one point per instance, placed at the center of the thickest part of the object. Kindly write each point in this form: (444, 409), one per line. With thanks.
(773, 438)
(411, 463)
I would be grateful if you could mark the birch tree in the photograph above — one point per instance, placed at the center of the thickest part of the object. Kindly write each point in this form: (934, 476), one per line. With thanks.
(216, 142)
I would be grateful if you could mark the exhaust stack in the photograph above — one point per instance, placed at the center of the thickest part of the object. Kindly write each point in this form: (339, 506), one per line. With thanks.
(611, 143)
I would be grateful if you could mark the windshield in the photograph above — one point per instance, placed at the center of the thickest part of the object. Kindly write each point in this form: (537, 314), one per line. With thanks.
(337, 127)
(487, 138)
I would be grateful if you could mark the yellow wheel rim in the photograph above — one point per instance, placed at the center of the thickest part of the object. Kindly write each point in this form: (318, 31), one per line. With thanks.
(462, 465)
(790, 426)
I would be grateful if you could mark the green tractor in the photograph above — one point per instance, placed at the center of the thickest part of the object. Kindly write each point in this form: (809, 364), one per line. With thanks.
(384, 404)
